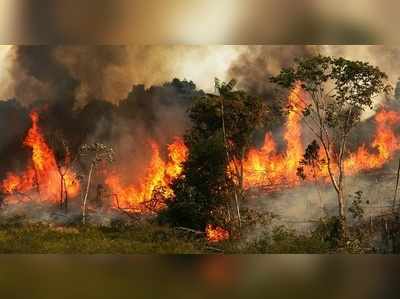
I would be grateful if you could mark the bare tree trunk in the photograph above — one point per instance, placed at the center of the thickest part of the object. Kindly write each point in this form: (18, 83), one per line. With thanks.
(65, 198)
(396, 189)
(241, 169)
(86, 193)
(238, 209)
(338, 186)
(341, 205)
(61, 190)
(37, 183)
(317, 185)
(228, 159)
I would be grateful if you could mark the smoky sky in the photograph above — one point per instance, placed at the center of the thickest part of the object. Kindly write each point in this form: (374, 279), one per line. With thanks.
(85, 73)
(254, 67)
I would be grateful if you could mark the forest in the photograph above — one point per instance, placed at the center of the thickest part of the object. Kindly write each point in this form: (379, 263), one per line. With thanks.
(309, 164)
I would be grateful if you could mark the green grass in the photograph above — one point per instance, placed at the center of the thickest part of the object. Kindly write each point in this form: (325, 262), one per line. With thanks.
(21, 237)
(138, 239)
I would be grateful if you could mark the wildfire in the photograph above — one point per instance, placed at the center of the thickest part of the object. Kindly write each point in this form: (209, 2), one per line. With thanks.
(42, 174)
(265, 167)
(159, 175)
(216, 234)
(261, 167)
(385, 143)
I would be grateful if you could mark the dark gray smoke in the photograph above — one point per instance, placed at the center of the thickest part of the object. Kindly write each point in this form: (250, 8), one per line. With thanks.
(83, 93)
(254, 67)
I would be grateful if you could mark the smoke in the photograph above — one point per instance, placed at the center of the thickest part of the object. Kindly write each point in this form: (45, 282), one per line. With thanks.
(85, 73)
(119, 95)
(257, 64)
(106, 72)
(300, 208)
(98, 92)
(30, 211)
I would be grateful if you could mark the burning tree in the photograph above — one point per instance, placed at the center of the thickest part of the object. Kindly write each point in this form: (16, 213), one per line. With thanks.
(64, 157)
(338, 90)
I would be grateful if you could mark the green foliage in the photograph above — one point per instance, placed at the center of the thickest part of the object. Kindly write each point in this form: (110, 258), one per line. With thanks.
(339, 89)
(324, 238)
(242, 114)
(284, 240)
(222, 129)
(17, 235)
(356, 209)
(311, 158)
(328, 230)
(203, 188)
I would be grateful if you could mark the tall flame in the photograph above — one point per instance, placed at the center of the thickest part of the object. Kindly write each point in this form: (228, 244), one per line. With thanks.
(265, 167)
(42, 174)
(159, 175)
(261, 167)
(385, 143)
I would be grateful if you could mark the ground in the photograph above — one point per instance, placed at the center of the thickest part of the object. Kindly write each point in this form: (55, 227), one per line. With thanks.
(140, 239)
(147, 237)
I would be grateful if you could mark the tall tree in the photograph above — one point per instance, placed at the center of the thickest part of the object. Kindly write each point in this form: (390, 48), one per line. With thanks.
(212, 180)
(338, 91)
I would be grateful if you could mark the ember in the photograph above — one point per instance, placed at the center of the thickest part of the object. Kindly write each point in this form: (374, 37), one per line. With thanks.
(159, 174)
(216, 234)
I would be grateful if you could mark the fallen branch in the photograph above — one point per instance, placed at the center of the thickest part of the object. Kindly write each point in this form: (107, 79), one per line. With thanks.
(215, 249)
(58, 214)
(397, 187)
(197, 232)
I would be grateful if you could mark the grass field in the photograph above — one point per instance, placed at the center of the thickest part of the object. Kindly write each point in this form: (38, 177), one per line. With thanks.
(148, 237)
(139, 239)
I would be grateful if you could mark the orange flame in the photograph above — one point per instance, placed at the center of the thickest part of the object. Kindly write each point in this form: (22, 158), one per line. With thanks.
(159, 175)
(265, 167)
(42, 174)
(385, 142)
(261, 167)
(216, 234)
